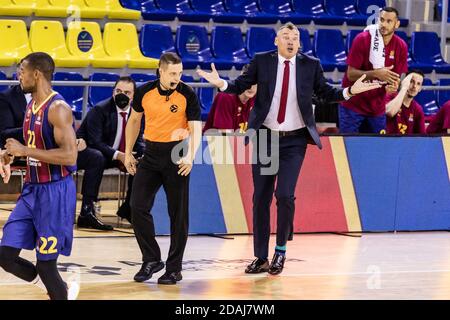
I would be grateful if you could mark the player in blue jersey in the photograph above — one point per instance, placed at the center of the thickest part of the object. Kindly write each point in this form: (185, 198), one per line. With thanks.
(44, 213)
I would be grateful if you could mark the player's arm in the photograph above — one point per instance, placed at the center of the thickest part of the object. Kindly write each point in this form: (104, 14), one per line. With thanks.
(60, 117)
(393, 106)
(131, 134)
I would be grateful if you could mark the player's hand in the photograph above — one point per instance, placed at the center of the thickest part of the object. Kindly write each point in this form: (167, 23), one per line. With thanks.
(363, 86)
(130, 163)
(392, 88)
(407, 81)
(81, 144)
(212, 77)
(15, 148)
(385, 74)
(185, 166)
(5, 169)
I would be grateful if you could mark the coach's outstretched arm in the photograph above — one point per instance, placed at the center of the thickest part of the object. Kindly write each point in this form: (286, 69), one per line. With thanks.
(60, 117)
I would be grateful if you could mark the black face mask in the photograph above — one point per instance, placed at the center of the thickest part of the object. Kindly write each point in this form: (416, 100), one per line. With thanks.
(121, 100)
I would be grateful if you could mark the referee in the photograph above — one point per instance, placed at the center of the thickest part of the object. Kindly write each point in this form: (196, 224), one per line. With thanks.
(172, 119)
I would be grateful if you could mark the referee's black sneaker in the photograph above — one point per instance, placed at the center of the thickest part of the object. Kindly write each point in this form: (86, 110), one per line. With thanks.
(147, 270)
(170, 278)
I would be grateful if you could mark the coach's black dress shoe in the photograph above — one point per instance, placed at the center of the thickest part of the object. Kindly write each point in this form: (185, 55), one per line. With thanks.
(170, 278)
(88, 219)
(277, 264)
(124, 211)
(257, 266)
(147, 270)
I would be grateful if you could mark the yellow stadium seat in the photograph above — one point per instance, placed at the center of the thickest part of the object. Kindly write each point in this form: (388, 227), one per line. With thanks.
(48, 36)
(121, 41)
(114, 9)
(84, 39)
(14, 44)
(45, 8)
(16, 8)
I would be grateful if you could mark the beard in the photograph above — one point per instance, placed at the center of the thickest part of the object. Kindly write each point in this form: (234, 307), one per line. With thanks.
(29, 89)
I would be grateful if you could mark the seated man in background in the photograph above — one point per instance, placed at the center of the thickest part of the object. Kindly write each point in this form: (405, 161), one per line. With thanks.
(403, 114)
(230, 112)
(101, 145)
(13, 102)
(440, 123)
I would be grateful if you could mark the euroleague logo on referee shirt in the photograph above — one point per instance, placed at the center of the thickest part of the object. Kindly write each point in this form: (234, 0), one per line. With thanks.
(173, 108)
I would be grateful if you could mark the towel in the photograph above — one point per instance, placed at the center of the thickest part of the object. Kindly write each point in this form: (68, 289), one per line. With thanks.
(376, 56)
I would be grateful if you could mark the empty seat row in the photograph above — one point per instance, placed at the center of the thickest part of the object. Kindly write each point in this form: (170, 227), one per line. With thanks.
(84, 44)
(325, 12)
(93, 9)
(226, 47)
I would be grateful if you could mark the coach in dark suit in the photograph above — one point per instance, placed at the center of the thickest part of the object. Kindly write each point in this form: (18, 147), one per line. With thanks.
(283, 119)
(101, 142)
(12, 110)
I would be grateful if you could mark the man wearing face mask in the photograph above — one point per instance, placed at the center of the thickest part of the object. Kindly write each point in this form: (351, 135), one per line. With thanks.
(101, 145)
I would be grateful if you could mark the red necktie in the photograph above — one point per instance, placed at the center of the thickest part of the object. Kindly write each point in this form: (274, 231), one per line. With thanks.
(122, 138)
(284, 93)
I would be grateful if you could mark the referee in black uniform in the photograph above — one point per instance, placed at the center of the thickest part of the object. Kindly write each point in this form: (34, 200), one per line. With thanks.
(172, 121)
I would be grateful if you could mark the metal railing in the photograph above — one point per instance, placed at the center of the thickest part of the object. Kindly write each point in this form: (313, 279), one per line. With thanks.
(87, 84)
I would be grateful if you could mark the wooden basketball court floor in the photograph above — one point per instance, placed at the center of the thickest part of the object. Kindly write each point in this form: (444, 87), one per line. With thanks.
(319, 266)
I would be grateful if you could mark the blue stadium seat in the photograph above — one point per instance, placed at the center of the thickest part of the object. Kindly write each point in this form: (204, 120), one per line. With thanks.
(216, 9)
(155, 39)
(346, 9)
(3, 77)
(316, 10)
(351, 34)
(366, 8)
(443, 95)
(142, 77)
(150, 11)
(260, 39)
(411, 62)
(183, 10)
(427, 99)
(73, 95)
(131, 4)
(206, 97)
(305, 40)
(329, 48)
(426, 52)
(283, 9)
(228, 48)
(251, 11)
(193, 46)
(439, 6)
(97, 94)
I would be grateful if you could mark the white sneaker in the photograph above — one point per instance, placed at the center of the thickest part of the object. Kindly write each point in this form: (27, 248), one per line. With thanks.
(73, 282)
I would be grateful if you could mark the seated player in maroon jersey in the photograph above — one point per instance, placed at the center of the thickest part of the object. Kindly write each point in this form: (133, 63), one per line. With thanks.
(403, 114)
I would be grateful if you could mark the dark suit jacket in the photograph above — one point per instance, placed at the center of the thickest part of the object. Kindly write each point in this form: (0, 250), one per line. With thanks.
(99, 129)
(12, 111)
(309, 80)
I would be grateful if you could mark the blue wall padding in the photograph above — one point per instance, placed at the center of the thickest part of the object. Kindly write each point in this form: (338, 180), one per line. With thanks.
(400, 183)
(205, 210)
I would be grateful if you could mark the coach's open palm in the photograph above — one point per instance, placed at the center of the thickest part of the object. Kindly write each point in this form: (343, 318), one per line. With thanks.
(212, 77)
(362, 86)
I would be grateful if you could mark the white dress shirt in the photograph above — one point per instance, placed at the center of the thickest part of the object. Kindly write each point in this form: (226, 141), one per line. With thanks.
(293, 119)
(116, 144)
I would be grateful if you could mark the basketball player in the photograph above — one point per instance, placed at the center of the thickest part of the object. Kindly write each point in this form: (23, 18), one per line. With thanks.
(44, 213)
